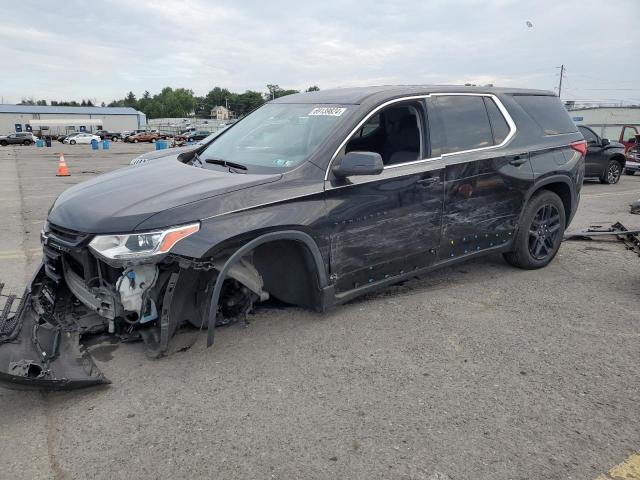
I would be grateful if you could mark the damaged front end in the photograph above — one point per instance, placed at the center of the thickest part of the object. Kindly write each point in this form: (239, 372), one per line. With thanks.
(128, 287)
(40, 342)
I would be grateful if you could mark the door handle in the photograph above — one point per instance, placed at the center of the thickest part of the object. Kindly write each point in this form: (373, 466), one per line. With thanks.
(427, 181)
(518, 160)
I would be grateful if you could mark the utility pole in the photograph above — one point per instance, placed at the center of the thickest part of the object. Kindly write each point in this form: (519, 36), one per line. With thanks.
(560, 84)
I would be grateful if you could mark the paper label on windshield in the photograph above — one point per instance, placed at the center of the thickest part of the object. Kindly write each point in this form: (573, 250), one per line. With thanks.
(328, 111)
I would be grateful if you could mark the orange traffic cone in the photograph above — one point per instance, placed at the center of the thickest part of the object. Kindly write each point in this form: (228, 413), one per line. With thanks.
(63, 170)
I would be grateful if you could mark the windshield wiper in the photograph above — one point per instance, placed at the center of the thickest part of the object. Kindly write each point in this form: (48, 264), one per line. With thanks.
(226, 163)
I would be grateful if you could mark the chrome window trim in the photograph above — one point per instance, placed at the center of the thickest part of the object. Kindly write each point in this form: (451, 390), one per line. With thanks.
(499, 104)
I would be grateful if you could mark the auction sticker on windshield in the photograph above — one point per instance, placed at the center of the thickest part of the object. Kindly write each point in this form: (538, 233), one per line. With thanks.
(330, 111)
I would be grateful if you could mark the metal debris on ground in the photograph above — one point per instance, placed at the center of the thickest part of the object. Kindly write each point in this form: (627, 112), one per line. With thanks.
(635, 207)
(631, 238)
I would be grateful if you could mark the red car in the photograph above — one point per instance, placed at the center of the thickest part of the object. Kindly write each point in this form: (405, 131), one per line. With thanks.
(145, 137)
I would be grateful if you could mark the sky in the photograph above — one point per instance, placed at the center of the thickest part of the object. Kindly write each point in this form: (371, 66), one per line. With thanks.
(101, 50)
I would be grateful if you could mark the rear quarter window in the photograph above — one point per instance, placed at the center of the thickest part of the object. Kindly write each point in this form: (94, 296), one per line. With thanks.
(548, 112)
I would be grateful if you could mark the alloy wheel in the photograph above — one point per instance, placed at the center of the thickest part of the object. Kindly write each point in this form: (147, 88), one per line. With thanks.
(544, 232)
(613, 172)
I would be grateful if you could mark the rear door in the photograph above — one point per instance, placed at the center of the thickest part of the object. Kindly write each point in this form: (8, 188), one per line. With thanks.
(485, 186)
(388, 224)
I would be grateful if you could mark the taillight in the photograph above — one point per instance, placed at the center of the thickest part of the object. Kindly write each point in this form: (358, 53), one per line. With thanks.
(580, 146)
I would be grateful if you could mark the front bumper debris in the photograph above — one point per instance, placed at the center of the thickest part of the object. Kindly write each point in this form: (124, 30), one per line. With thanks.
(631, 238)
(40, 341)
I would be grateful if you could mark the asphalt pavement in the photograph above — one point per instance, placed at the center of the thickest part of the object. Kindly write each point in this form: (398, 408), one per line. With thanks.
(480, 371)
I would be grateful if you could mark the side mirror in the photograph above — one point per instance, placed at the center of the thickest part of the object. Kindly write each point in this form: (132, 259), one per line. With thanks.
(604, 142)
(359, 163)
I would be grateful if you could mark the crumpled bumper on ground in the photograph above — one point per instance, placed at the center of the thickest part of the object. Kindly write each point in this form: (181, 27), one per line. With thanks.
(39, 346)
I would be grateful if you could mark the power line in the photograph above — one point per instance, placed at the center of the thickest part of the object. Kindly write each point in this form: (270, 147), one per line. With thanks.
(603, 80)
(612, 89)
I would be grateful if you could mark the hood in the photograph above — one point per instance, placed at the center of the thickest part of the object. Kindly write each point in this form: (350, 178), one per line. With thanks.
(120, 200)
(613, 144)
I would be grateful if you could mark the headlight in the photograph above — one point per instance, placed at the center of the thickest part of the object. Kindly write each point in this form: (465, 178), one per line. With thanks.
(140, 245)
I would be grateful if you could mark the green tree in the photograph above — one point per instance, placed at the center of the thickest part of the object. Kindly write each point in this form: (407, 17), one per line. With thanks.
(275, 91)
(243, 103)
(130, 100)
(313, 88)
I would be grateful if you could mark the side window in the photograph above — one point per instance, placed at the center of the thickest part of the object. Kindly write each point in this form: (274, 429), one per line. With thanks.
(395, 133)
(548, 112)
(588, 135)
(498, 123)
(458, 123)
(629, 134)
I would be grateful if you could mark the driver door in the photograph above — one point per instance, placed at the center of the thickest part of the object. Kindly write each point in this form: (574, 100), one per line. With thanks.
(387, 224)
(594, 160)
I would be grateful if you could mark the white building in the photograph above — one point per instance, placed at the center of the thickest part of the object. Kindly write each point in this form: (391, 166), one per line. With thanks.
(220, 113)
(60, 120)
(607, 121)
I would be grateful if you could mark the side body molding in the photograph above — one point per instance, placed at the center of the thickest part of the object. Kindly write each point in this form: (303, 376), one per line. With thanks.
(246, 248)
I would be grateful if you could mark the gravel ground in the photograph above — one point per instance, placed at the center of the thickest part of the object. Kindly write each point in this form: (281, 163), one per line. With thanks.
(481, 371)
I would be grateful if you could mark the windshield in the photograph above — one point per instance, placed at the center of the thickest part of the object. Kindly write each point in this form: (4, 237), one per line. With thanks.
(276, 137)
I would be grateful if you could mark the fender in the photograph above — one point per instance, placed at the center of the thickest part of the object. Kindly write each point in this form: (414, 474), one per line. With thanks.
(246, 248)
(558, 178)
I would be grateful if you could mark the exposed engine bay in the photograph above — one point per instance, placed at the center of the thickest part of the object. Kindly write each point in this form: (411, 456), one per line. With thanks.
(76, 294)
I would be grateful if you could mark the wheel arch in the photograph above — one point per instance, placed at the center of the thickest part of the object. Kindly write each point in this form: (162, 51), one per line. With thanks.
(620, 158)
(309, 289)
(561, 186)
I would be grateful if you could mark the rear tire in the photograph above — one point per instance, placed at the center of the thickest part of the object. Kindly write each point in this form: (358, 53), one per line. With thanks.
(114, 139)
(612, 173)
(72, 142)
(135, 140)
(539, 233)
(26, 143)
(153, 140)
(3, 143)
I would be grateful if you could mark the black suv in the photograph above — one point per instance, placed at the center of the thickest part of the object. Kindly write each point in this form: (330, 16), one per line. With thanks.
(312, 199)
(605, 160)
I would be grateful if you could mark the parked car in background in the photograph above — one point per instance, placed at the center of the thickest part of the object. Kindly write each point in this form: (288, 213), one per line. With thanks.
(194, 136)
(628, 135)
(25, 138)
(114, 137)
(175, 152)
(312, 199)
(145, 137)
(81, 138)
(633, 157)
(61, 138)
(197, 136)
(128, 133)
(605, 159)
